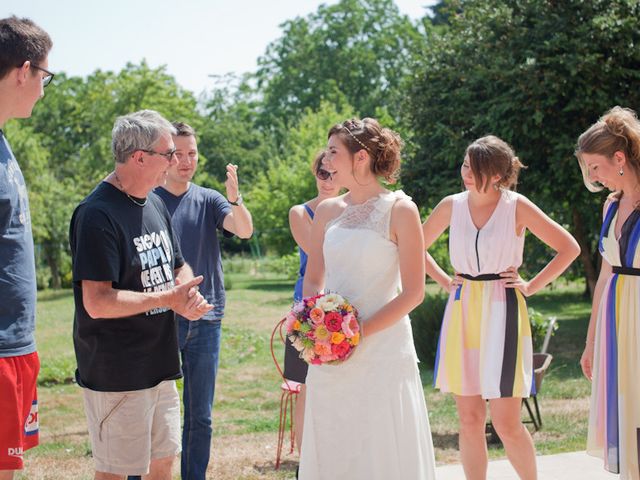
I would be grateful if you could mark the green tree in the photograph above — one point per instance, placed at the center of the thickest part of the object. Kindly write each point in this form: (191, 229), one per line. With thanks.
(66, 144)
(354, 53)
(536, 73)
(231, 134)
(51, 203)
(77, 114)
(288, 180)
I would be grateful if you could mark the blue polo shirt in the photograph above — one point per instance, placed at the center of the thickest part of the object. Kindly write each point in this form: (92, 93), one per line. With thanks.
(197, 215)
(17, 260)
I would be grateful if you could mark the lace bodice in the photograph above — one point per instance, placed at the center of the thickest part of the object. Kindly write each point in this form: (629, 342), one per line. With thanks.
(361, 262)
(374, 214)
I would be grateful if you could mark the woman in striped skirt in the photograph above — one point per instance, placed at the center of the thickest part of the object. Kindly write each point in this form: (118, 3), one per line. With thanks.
(485, 350)
(609, 155)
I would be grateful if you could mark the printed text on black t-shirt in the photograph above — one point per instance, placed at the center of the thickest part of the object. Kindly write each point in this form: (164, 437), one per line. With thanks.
(155, 253)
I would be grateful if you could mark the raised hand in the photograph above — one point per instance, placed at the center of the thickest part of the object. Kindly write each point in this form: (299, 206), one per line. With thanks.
(231, 183)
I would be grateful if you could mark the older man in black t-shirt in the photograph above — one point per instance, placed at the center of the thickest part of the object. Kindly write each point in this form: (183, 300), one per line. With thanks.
(129, 278)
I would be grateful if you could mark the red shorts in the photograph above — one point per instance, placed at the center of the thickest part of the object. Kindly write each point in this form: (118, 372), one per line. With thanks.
(18, 408)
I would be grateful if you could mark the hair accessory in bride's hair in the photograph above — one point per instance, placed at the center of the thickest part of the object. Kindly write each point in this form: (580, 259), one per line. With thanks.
(356, 138)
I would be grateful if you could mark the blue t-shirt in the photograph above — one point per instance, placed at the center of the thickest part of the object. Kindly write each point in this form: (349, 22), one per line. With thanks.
(196, 215)
(17, 261)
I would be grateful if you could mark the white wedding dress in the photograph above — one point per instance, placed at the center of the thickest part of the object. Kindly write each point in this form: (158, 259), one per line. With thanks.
(366, 418)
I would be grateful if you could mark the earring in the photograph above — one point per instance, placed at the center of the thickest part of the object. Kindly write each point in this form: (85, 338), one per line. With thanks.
(620, 172)
(496, 187)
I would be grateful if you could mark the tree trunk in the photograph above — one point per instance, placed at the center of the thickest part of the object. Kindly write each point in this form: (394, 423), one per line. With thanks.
(52, 256)
(586, 255)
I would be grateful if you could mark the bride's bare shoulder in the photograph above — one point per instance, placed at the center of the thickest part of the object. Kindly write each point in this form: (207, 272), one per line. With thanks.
(330, 208)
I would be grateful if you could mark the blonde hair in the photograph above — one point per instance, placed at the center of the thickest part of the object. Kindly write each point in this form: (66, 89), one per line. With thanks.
(489, 156)
(618, 130)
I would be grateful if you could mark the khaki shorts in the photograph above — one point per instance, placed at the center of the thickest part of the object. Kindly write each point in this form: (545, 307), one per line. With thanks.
(129, 429)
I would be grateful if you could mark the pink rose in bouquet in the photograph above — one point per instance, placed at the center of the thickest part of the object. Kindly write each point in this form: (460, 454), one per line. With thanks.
(333, 321)
(323, 328)
(341, 349)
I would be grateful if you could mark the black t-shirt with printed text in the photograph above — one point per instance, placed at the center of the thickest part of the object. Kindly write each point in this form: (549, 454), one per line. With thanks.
(132, 246)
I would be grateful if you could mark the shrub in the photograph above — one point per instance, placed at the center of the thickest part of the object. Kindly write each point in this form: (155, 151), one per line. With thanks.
(285, 265)
(238, 264)
(539, 327)
(425, 322)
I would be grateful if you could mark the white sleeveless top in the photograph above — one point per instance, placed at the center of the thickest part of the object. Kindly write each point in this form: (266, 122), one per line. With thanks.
(493, 248)
(362, 265)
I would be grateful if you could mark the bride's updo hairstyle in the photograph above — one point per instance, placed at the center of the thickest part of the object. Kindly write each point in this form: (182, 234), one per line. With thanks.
(382, 144)
(618, 130)
(490, 156)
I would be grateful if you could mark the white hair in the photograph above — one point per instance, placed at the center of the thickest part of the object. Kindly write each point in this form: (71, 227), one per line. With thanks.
(138, 131)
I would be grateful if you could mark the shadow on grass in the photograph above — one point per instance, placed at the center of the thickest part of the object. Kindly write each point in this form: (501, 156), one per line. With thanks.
(268, 285)
(285, 465)
(559, 299)
(445, 440)
(567, 370)
(52, 295)
(52, 381)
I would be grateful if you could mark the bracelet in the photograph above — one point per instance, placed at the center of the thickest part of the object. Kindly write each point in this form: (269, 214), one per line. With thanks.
(238, 200)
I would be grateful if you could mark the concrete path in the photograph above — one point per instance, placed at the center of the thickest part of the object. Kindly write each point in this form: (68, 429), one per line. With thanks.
(563, 466)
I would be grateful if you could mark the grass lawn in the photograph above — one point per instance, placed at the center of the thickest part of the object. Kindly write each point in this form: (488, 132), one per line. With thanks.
(248, 397)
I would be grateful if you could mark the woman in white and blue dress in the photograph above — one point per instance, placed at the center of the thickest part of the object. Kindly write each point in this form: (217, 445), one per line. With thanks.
(300, 219)
(366, 418)
(609, 156)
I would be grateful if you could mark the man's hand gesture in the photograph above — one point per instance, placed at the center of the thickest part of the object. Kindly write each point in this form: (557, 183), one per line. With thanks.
(187, 300)
(231, 183)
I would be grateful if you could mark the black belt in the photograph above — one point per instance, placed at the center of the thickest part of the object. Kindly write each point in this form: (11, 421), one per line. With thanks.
(484, 277)
(627, 271)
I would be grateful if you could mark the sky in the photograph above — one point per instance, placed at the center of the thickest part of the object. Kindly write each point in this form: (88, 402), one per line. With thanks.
(198, 40)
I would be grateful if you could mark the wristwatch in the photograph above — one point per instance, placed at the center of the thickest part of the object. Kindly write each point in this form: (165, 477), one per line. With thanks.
(238, 201)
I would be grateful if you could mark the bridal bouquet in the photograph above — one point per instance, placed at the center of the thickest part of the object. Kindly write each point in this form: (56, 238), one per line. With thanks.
(324, 328)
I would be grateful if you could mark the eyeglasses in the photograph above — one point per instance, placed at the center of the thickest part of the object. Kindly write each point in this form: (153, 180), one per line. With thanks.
(167, 156)
(46, 80)
(323, 174)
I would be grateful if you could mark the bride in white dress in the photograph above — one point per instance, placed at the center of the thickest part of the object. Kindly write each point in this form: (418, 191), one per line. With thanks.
(366, 418)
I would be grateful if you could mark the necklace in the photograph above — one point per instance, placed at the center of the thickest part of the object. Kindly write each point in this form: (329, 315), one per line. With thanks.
(140, 204)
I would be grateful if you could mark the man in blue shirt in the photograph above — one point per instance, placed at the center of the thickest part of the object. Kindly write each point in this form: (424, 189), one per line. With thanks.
(24, 51)
(197, 214)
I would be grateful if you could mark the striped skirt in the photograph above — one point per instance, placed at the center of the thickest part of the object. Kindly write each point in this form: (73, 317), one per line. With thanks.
(614, 420)
(485, 342)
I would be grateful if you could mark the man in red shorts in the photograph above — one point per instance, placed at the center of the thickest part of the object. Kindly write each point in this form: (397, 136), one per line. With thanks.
(24, 51)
